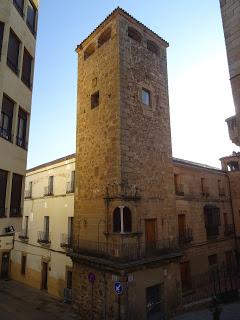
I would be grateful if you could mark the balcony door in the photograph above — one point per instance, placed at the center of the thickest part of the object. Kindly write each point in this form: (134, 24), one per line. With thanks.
(5, 265)
(181, 224)
(150, 233)
(44, 275)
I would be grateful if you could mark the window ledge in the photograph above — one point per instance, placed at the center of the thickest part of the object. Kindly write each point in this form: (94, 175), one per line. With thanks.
(124, 234)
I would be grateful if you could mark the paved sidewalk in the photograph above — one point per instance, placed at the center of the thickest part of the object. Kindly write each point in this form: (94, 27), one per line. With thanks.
(20, 302)
(229, 312)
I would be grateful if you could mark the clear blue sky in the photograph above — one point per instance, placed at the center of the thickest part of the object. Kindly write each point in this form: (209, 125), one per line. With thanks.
(200, 95)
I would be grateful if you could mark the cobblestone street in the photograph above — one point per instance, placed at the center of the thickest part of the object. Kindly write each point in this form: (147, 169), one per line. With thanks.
(229, 312)
(18, 302)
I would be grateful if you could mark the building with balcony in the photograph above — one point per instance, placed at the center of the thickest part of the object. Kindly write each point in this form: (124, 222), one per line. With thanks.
(39, 255)
(205, 228)
(206, 224)
(18, 29)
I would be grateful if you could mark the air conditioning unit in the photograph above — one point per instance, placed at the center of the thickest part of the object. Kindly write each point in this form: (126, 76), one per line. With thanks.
(10, 229)
(67, 293)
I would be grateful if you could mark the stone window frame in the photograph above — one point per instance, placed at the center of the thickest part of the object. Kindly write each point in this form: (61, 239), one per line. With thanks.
(104, 37)
(153, 47)
(147, 109)
(124, 214)
(95, 99)
(89, 51)
(134, 34)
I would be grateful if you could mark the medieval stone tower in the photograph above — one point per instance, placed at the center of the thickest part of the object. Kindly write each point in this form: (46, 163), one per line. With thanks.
(124, 248)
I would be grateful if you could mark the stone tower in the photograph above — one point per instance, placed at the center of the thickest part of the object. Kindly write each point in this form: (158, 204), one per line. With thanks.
(125, 224)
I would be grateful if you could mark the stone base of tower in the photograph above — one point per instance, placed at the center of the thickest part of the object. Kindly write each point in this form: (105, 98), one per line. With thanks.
(149, 291)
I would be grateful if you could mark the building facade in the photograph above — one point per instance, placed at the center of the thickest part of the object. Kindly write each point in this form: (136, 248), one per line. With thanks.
(230, 10)
(18, 26)
(39, 255)
(206, 226)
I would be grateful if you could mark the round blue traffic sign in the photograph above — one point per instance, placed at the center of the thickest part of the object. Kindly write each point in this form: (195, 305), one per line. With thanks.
(91, 277)
(118, 287)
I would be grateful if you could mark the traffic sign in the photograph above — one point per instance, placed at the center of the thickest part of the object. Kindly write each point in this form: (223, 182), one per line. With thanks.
(118, 287)
(91, 277)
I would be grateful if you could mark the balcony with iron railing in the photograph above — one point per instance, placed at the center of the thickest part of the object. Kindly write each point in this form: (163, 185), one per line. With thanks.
(21, 142)
(43, 238)
(15, 212)
(28, 194)
(23, 235)
(205, 191)
(229, 230)
(6, 134)
(125, 252)
(3, 212)
(212, 231)
(179, 190)
(185, 236)
(65, 241)
(70, 188)
(222, 192)
(48, 191)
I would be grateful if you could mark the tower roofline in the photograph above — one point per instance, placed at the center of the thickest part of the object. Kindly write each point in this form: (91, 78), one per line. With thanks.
(126, 15)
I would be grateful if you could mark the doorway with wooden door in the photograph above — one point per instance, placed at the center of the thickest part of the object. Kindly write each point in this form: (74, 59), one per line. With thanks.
(44, 275)
(5, 265)
(150, 234)
(181, 226)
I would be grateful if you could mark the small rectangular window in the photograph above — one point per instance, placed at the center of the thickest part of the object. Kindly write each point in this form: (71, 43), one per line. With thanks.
(3, 188)
(146, 97)
(31, 17)
(95, 100)
(19, 4)
(212, 260)
(16, 196)
(1, 36)
(27, 69)
(23, 265)
(22, 129)
(6, 118)
(13, 52)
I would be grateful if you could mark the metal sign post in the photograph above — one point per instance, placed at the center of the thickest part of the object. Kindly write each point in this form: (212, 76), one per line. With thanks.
(119, 290)
(91, 279)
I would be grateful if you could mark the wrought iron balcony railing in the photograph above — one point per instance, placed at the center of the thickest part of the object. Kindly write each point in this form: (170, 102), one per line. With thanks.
(6, 134)
(48, 191)
(229, 229)
(65, 241)
(21, 142)
(70, 187)
(222, 192)
(28, 194)
(43, 237)
(212, 231)
(185, 236)
(124, 251)
(179, 190)
(23, 235)
(2, 212)
(15, 212)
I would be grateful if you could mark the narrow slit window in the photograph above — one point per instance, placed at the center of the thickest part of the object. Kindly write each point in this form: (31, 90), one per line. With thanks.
(146, 97)
(134, 34)
(152, 47)
(104, 37)
(95, 100)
